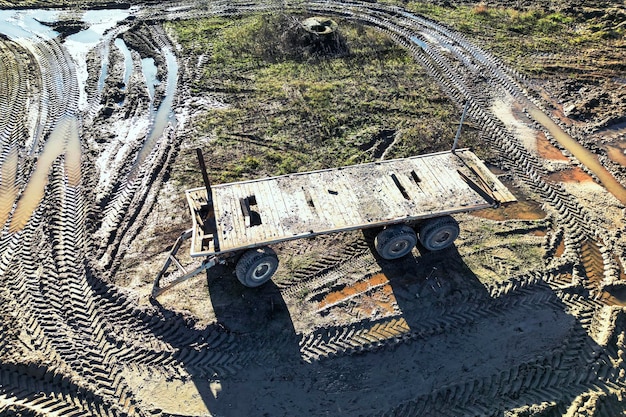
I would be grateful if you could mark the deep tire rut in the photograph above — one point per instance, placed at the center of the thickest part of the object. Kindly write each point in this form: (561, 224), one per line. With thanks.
(83, 331)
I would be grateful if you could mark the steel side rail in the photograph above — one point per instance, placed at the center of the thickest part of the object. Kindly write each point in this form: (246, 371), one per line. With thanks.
(171, 257)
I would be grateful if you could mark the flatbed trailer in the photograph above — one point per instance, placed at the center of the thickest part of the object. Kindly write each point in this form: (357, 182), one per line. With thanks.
(238, 221)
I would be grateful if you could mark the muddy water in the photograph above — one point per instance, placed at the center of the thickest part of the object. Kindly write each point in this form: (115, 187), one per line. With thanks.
(523, 209)
(580, 152)
(164, 115)
(65, 133)
(617, 153)
(73, 154)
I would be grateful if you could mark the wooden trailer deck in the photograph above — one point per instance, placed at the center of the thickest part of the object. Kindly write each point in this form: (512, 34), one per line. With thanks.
(259, 212)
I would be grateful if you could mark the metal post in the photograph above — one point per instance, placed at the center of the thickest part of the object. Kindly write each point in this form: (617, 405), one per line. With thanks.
(458, 132)
(205, 176)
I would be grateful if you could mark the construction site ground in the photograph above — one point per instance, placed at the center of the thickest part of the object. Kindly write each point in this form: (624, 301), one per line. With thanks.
(100, 116)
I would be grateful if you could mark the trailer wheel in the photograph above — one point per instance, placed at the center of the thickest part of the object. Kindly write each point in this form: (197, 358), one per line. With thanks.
(438, 233)
(256, 266)
(395, 241)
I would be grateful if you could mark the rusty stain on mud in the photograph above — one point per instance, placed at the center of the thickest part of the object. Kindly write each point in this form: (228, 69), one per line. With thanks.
(580, 152)
(348, 292)
(547, 150)
(570, 175)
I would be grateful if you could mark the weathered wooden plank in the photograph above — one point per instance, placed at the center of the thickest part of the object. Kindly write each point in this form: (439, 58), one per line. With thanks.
(300, 215)
(231, 225)
(266, 201)
(279, 204)
(346, 190)
(346, 198)
(254, 232)
(325, 208)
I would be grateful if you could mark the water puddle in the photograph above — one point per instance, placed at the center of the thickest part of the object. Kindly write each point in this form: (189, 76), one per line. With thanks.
(149, 69)
(580, 152)
(523, 209)
(73, 155)
(128, 61)
(547, 150)
(66, 129)
(79, 44)
(26, 24)
(575, 175)
(164, 115)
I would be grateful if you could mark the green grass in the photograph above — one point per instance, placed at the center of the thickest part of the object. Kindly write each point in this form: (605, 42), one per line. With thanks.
(294, 110)
(518, 35)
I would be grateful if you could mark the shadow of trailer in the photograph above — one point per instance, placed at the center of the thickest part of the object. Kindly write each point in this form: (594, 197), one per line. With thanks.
(409, 200)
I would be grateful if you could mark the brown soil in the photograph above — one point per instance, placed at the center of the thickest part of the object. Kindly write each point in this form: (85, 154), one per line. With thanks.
(523, 316)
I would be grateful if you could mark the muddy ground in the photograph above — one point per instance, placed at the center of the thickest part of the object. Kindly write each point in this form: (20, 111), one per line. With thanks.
(523, 316)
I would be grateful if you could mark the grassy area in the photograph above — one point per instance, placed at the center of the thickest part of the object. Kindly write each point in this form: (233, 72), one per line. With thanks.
(520, 36)
(294, 108)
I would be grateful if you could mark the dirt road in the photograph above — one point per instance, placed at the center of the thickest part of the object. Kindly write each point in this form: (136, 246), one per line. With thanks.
(524, 316)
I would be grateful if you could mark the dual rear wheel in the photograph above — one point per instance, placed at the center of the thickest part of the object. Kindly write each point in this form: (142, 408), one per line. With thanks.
(399, 240)
(257, 266)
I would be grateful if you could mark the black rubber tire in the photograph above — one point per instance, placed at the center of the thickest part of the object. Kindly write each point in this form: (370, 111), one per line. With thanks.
(438, 233)
(395, 241)
(256, 266)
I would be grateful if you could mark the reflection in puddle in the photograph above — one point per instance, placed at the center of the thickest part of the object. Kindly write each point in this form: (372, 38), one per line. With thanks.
(149, 69)
(128, 60)
(26, 24)
(163, 116)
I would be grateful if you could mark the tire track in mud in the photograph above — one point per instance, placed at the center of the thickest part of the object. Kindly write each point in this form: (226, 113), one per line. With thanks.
(64, 315)
(457, 311)
(525, 166)
(74, 309)
(37, 390)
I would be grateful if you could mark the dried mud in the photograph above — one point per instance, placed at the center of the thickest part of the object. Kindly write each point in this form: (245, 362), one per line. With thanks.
(524, 316)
